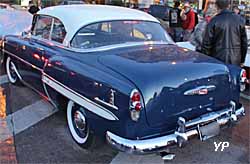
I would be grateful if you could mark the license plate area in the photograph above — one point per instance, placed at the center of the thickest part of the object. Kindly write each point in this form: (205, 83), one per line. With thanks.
(209, 130)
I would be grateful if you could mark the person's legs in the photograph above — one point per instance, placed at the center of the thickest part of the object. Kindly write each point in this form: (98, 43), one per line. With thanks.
(178, 34)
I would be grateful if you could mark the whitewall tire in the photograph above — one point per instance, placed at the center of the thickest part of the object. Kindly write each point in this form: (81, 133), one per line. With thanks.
(11, 71)
(78, 125)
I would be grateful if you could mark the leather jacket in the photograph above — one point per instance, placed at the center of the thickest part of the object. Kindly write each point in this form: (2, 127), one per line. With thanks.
(225, 38)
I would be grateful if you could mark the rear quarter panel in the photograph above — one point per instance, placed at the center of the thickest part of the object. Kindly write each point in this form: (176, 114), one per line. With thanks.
(235, 82)
(90, 79)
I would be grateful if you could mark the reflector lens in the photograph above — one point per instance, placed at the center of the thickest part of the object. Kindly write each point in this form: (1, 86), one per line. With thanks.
(135, 105)
(244, 74)
(136, 97)
(138, 107)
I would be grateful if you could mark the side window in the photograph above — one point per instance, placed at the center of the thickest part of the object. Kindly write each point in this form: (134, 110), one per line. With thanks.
(58, 32)
(42, 27)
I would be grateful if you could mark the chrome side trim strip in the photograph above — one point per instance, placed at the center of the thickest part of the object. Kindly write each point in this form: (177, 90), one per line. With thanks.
(78, 98)
(105, 103)
(28, 63)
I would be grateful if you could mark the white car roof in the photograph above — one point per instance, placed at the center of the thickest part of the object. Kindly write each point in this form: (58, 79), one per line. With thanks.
(76, 16)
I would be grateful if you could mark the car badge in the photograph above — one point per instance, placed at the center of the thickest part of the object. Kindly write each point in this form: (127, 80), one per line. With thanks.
(112, 97)
(201, 90)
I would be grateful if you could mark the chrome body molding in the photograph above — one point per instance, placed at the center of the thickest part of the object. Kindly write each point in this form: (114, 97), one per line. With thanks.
(105, 103)
(78, 98)
(185, 131)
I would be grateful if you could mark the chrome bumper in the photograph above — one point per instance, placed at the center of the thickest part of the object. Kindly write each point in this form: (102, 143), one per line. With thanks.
(184, 132)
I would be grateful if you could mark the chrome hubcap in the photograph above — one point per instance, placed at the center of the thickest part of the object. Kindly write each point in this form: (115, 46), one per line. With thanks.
(80, 121)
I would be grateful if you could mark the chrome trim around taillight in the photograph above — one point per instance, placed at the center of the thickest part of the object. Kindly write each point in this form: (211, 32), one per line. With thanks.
(134, 114)
(242, 79)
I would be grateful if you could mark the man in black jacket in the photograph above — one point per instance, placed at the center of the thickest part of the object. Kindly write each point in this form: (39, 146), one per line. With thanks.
(225, 37)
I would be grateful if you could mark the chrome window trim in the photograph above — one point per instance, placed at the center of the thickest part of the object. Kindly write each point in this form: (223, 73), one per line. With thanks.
(37, 19)
(31, 35)
(52, 26)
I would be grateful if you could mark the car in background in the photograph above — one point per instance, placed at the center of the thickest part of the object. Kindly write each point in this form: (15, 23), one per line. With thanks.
(123, 78)
(160, 11)
(14, 22)
(144, 9)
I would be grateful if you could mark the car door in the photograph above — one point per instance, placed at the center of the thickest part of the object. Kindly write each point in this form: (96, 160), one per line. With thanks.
(35, 53)
(55, 67)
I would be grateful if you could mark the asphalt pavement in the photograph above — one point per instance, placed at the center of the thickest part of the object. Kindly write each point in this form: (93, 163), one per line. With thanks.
(33, 131)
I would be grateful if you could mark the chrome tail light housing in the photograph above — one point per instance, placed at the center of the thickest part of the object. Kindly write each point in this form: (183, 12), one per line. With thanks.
(135, 105)
(243, 79)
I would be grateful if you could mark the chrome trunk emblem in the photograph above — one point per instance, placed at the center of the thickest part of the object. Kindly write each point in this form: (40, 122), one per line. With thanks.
(201, 90)
(112, 97)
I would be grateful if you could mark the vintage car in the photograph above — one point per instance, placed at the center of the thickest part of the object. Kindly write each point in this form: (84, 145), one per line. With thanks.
(121, 77)
(13, 22)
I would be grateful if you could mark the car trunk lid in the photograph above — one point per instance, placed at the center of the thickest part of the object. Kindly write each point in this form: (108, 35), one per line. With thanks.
(175, 82)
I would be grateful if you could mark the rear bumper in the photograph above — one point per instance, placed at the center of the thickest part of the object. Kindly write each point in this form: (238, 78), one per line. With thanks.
(185, 131)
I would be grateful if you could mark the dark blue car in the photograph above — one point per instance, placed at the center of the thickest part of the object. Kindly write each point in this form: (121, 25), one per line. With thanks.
(123, 78)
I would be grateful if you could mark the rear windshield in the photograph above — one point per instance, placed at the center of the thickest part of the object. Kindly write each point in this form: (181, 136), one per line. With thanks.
(118, 32)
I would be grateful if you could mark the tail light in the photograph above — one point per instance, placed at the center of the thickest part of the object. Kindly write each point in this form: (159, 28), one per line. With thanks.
(135, 105)
(243, 80)
(243, 76)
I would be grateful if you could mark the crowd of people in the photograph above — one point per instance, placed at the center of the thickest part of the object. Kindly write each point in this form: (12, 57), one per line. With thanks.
(220, 33)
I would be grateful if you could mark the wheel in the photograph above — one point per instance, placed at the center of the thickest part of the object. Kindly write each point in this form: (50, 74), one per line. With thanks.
(79, 127)
(11, 71)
